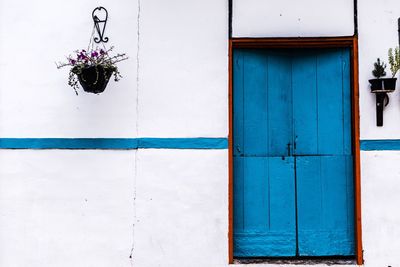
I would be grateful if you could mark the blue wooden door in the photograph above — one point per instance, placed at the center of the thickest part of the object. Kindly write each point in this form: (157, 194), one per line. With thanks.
(264, 185)
(293, 182)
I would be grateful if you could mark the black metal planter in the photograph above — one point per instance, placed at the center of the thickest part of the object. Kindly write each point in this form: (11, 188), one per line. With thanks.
(387, 84)
(381, 88)
(94, 79)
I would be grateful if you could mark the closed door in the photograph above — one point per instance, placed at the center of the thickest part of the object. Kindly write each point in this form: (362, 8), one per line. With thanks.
(293, 174)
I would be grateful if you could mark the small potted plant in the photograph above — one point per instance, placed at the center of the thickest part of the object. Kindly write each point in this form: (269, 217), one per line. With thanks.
(394, 62)
(93, 69)
(378, 72)
(386, 84)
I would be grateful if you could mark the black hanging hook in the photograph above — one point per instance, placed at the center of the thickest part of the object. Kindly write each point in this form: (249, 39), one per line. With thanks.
(100, 24)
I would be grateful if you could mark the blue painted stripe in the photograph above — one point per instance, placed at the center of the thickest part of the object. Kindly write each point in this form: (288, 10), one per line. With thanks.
(113, 143)
(68, 143)
(370, 145)
(166, 143)
(184, 143)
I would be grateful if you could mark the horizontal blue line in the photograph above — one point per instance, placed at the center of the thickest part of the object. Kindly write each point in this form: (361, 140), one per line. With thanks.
(113, 143)
(162, 143)
(184, 143)
(370, 145)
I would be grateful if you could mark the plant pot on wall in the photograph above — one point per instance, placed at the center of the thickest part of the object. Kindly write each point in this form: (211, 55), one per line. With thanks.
(93, 67)
(94, 79)
(383, 84)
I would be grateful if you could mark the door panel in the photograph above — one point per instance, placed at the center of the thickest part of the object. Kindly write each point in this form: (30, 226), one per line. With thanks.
(325, 205)
(264, 202)
(293, 180)
(331, 128)
(262, 99)
(323, 152)
(321, 102)
(265, 224)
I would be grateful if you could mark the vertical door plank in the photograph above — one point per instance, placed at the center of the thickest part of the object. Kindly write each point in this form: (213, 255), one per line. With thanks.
(238, 113)
(305, 95)
(350, 201)
(279, 103)
(347, 139)
(330, 102)
(238, 205)
(255, 103)
(256, 196)
(282, 195)
(309, 194)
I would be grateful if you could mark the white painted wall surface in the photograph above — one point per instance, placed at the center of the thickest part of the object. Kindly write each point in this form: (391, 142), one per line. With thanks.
(182, 208)
(183, 66)
(35, 99)
(288, 18)
(66, 208)
(377, 33)
(166, 207)
(380, 174)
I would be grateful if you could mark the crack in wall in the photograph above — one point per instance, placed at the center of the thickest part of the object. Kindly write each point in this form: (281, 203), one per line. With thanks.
(131, 256)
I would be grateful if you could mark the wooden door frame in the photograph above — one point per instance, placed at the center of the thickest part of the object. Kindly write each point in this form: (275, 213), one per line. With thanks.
(320, 42)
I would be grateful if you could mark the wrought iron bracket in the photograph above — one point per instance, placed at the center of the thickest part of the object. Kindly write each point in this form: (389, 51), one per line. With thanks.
(100, 16)
(382, 100)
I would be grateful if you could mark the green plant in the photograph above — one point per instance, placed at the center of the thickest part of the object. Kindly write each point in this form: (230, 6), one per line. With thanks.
(95, 57)
(394, 60)
(379, 69)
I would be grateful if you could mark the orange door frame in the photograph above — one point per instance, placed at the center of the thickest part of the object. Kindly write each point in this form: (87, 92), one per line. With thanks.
(323, 42)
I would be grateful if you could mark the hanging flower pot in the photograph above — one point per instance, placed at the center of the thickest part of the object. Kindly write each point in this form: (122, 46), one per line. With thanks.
(93, 69)
(94, 79)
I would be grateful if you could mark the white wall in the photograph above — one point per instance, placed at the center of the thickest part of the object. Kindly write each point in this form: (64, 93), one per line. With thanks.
(380, 184)
(35, 99)
(66, 208)
(98, 208)
(163, 207)
(377, 33)
(288, 18)
(182, 200)
(183, 68)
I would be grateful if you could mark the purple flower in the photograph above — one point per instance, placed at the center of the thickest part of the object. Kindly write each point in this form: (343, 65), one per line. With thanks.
(94, 54)
(72, 61)
(81, 56)
(102, 52)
